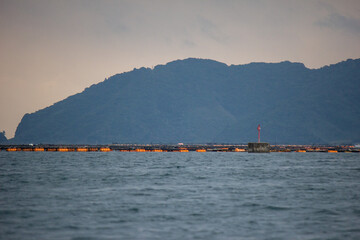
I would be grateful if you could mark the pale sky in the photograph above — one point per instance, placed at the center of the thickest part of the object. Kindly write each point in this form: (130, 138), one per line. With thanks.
(52, 49)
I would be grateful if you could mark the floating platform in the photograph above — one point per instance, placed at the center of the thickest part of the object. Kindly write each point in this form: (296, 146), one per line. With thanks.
(258, 147)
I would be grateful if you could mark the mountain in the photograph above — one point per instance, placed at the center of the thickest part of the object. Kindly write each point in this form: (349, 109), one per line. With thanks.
(3, 138)
(205, 101)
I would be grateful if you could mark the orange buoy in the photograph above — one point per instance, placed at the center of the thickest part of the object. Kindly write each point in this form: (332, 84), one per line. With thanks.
(81, 149)
(105, 149)
(139, 150)
(200, 150)
(39, 149)
(63, 150)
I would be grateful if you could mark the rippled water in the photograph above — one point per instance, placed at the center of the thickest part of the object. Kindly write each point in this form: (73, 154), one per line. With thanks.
(192, 195)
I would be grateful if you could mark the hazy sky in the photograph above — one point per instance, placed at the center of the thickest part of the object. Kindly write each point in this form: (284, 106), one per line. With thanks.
(52, 49)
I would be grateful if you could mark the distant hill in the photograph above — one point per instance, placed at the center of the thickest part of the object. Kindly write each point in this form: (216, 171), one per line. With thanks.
(3, 138)
(204, 101)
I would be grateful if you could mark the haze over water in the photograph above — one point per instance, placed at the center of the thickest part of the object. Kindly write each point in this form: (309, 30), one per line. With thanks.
(179, 195)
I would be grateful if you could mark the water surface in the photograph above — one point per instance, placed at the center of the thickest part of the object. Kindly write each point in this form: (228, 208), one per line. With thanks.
(117, 195)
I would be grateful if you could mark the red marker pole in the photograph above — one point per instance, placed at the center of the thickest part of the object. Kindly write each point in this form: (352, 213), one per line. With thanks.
(259, 128)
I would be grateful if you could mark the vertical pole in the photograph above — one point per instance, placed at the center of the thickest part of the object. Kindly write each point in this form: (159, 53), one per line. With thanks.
(259, 128)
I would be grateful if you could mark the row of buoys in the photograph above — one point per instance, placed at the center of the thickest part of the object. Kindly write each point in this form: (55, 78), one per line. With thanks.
(304, 151)
(60, 149)
(142, 150)
(107, 149)
(103, 149)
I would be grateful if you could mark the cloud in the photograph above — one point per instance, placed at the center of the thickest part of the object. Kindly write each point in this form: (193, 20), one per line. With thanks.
(211, 30)
(336, 21)
(188, 43)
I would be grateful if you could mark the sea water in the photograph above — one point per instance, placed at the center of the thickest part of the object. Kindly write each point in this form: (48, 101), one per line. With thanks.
(117, 195)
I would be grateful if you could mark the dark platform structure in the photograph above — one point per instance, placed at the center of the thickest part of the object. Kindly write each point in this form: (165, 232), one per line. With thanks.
(258, 147)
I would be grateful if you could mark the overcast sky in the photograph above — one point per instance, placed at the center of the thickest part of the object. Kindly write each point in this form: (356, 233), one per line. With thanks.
(50, 50)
